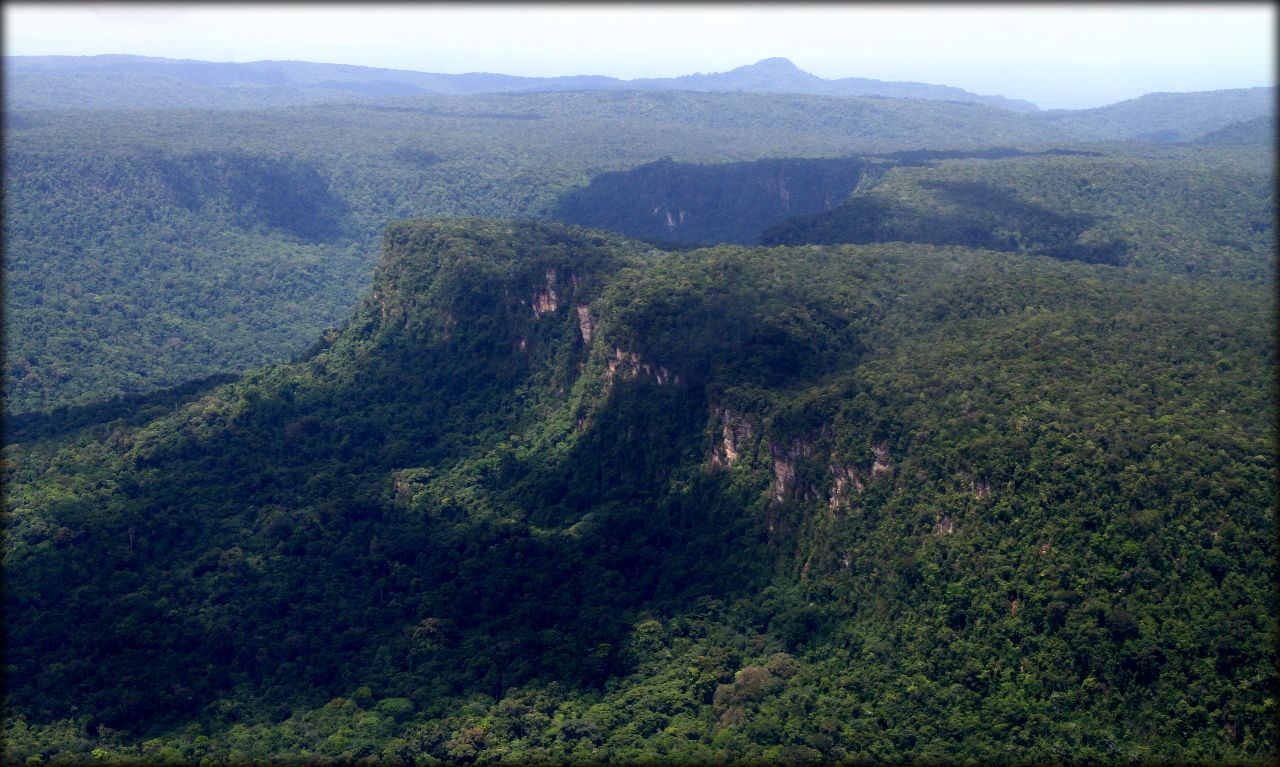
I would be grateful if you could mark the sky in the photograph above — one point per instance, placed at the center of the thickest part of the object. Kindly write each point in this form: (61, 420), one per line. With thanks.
(1069, 56)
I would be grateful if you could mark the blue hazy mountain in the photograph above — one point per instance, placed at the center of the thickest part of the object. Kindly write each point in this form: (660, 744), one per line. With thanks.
(123, 81)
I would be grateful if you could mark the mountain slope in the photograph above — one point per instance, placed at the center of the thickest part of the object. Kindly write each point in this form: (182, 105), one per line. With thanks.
(708, 204)
(1159, 213)
(147, 248)
(1255, 131)
(552, 495)
(1165, 117)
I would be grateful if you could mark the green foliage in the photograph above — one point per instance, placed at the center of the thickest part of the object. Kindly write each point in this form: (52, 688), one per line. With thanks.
(1257, 131)
(555, 496)
(146, 248)
(855, 503)
(1171, 214)
(134, 270)
(974, 214)
(1165, 116)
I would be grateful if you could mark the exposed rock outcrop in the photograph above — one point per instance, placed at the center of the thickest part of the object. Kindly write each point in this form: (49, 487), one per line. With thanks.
(980, 487)
(845, 482)
(585, 324)
(944, 526)
(737, 436)
(881, 466)
(547, 300)
(624, 364)
(785, 460)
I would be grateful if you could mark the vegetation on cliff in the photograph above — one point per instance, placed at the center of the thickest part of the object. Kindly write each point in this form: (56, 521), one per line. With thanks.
(554, 495)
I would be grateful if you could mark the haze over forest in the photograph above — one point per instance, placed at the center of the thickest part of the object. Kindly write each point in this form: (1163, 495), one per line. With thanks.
(1028, 52)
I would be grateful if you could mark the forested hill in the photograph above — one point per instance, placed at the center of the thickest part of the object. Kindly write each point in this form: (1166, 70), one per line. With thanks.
(148, 248)
(1166, 116)
(1257, 130)
(555, 496)
(1157, 213)
(140, 82)
(1167, 213)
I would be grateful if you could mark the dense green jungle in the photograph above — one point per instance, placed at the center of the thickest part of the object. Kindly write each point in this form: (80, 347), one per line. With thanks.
(145, 248)
(623, 427)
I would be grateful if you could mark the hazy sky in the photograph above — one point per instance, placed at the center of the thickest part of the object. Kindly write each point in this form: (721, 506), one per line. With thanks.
(1069, 55)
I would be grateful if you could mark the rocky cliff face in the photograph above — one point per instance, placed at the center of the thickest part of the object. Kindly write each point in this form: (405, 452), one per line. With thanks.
(738, 439)
(624, 364)
(705, 204)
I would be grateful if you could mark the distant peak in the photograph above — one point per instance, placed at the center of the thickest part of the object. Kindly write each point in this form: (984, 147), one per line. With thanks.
(777, 64)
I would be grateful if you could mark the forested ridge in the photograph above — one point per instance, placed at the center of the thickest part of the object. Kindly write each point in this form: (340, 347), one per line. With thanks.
(552, 495)
(1171, 214)
(619, 426)
(190, 233)
(187, 263)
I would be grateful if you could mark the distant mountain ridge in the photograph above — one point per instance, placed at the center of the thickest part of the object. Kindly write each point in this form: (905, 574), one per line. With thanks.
(43, 82)
(1166, 117)
(781, 75)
